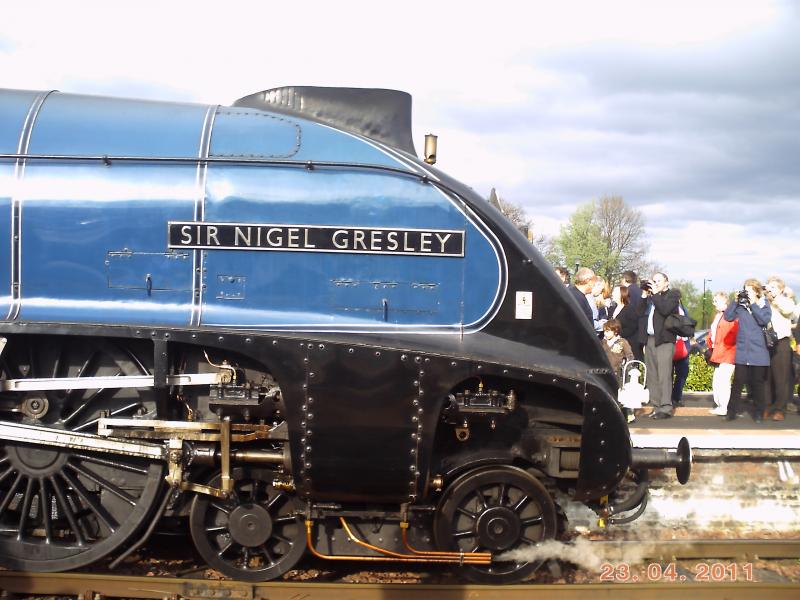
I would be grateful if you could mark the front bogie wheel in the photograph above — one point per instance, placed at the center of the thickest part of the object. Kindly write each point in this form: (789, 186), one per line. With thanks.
(503, 510)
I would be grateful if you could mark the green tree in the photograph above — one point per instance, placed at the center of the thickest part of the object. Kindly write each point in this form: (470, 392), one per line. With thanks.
(606, 235)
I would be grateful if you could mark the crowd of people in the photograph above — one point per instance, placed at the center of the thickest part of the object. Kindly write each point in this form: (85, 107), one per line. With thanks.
(750, 341)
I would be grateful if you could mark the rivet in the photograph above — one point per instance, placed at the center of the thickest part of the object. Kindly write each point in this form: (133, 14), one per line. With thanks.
(421, 392)
(322, 346)
(427, 360)
(310, 416)
(413, 436)
(480, 367)
(403, 357)
(422, 373)
(577, 385)
(419, 411)
(594, 409)
(377, 353)
(308, 465)
(221, 339)
(308, 448)
(601, 460)
(417, 359)
(311, 374)
(413, 468)
(602, 442)
(530, 375)
(414, 419)
(555, 380)
(586, 394)
(310, 346)
(302, 423)
(416, 383)
(305, 386)
(304, 408)
(415, 402)
(310, 400)
(274, 342)
(413, 451)
(350, 350)
(453, 364)
(602, 424)
(194, 335)
(505, 371)
(305, 360)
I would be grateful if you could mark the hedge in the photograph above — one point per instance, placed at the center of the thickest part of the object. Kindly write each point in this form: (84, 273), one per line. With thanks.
(700, 374)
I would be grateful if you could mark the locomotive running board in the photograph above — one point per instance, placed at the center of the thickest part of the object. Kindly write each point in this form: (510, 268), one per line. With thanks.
(96, 383)
(46, 436)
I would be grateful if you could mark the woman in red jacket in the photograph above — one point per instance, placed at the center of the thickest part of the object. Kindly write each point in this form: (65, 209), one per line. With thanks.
(721, 341)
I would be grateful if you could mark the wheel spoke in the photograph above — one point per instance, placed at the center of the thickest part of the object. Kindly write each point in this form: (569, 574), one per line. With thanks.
(45, 510)
(5, 474)
(216, 529)
(114, 413)
(88, 369)
(27, 499)
(532, 521)
(466, 513)
(481, 499)
(529, 540)
(520, 503)
(11, 493)
(88, 401)
(274, 500)
(220, 508)
(91, 502)
(502, 494)
(267, 554)
(280, 538)
(286, 519)
(108, 463)
(467, 533)
(225, 549)
(66, 509)
(103, 483)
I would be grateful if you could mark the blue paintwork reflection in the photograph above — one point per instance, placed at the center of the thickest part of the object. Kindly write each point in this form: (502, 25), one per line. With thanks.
(307, 288)
(94, 237)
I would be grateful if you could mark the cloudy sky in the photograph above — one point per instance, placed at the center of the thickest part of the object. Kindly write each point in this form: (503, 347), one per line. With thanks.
(689, 110)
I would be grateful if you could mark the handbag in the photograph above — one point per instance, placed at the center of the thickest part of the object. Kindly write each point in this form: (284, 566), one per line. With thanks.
(681, 351)
(770, 337)
(681, 325)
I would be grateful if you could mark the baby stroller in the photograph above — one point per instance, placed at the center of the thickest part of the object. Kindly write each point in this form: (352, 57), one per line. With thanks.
(632, 394)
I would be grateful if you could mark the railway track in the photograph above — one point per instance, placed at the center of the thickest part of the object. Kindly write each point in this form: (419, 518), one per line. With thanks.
(659, 582)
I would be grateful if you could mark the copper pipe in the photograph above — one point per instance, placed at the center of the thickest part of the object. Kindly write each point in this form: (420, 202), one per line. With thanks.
(400, 557)
(457, 557)
(404, 528)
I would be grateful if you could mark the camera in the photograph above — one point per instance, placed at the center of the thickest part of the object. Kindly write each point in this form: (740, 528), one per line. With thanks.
(742, 298)
(646, 286)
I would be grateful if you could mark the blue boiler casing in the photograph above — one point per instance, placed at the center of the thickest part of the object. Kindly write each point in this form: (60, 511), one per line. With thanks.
(93, 244)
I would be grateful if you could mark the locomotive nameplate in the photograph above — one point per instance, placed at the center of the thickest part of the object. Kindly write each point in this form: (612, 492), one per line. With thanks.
(315, 238)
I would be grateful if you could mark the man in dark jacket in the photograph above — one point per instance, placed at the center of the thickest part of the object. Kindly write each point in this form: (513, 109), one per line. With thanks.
(584, 279)
(658, 302)
(628, 280)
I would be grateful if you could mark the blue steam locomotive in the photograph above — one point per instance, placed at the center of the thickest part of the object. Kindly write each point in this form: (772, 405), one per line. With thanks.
(276, 322)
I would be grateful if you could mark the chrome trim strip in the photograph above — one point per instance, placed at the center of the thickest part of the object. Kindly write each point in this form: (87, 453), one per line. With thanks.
(198, 261)
(16, 205)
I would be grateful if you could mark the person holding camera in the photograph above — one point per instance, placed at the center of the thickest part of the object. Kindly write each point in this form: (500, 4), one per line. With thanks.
(752, 311)
(658, 302)
(780, 382)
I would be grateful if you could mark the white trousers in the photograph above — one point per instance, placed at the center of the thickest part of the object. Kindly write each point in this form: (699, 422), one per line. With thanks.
(721, 384)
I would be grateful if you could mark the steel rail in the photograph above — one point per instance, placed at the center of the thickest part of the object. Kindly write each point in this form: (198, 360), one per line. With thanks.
(97, 587)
